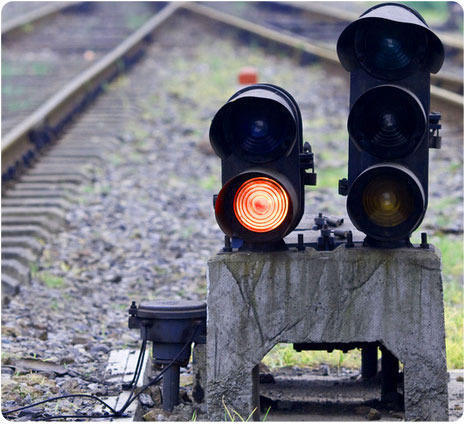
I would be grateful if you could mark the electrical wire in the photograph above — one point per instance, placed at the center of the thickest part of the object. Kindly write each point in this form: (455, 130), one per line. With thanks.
(131, 398)
(58, 398)
(75, 416)
(142, 352)
(160, 375)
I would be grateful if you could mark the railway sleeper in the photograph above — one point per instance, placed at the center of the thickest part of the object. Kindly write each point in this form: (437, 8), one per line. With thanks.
(76, 155)
(87, 140)
(57, 160)
(90, 130)
(17, 272)
(103, 143)
(105, 123)
(21, 254)
(41, 221)
(26, 242)
(51, 212)
(76, 141)
(19, 186)
(38, 194)
(75, 150)
(52, 179)
(57, 165)
(10, 288)
(18, 202)
(25, 230)
(45, 170)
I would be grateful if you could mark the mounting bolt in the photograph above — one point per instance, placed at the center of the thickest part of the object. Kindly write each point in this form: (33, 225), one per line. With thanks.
(349, 239)
(424, 244)
(301, 246)
(227, 247)
(133, 309)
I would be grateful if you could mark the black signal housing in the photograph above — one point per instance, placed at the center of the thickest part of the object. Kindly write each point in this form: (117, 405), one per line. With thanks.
(258, 136)
(390, 53)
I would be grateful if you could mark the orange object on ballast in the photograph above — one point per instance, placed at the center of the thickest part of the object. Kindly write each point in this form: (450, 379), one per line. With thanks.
(247, 75)
(261, 204)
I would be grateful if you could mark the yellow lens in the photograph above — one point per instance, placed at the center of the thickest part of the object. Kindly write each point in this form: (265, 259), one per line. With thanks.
(387, 202)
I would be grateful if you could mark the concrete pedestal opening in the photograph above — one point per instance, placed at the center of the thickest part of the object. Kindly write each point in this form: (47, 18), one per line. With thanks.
(326, 384)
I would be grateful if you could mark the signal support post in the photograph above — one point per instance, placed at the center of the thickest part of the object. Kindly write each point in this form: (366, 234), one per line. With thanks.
(356, 295)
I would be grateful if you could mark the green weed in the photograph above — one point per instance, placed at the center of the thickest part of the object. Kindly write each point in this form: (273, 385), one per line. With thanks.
(50, 280)
(134, 22)
(455, 166)
(328, 177)
(452, 255)
(34, 270)
(434, 12)
(283, 355)
(233, 414)
(210, 183)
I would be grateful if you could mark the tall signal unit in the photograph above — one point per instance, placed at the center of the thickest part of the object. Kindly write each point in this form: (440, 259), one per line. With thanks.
(390, 52)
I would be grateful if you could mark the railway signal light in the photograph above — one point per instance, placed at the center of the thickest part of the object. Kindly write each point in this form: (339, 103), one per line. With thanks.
(258, 136)
(390, 52)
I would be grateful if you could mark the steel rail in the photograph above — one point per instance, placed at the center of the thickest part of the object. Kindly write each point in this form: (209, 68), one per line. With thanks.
(13, 25)
(442, 79)
(316, 8)
(18, 141)
(448, 80)
(299, 43)
(61, 105)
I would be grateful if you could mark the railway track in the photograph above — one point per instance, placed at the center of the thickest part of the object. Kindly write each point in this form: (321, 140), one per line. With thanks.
(16, 21)
(315, 26)
(76, 145)
(49, 53)
(12, 147)
(44, 192)
(23, 142)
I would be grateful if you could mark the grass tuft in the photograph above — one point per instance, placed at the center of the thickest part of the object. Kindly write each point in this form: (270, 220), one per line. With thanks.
(50, 280)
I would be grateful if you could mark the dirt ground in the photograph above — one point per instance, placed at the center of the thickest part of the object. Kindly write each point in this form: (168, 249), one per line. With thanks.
(301, 396)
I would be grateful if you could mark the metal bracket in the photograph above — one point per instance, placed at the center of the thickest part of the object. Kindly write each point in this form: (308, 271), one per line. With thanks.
(343, 186)
(306, 161)
(435, 140)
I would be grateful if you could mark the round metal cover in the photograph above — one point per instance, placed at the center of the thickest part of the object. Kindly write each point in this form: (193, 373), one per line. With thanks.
(172, 309)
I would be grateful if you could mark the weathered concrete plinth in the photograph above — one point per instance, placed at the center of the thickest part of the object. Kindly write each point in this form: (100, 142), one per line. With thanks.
(394, 297)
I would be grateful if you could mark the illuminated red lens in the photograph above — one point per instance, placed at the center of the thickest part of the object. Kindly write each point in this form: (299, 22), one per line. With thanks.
(261, 204)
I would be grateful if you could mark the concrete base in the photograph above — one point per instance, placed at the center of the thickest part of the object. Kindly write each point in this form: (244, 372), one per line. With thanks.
(199, 377)
(394, 297)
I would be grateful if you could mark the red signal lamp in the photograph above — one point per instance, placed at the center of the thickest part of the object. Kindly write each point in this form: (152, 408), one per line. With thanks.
(258, 207)
(261, 204)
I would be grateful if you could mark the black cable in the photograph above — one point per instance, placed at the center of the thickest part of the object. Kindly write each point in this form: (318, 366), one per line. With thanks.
(74, 416)
(58, 398)
(130, 399)
(160, 375)
(115, 413)
(137, 373)
(142, 352)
